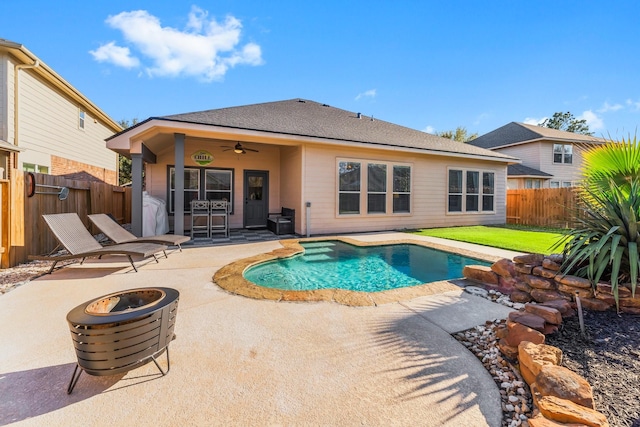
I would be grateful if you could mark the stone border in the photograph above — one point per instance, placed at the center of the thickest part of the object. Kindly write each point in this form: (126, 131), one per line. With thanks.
(231, 276)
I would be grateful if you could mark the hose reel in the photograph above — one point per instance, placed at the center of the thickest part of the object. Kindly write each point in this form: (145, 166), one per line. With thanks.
(62, 194)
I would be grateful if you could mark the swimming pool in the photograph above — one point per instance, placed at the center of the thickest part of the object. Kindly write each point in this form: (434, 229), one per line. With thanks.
(334, 264)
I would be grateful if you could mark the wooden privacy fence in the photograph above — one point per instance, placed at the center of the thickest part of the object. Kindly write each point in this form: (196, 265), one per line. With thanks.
(26, 232)
(545, 207)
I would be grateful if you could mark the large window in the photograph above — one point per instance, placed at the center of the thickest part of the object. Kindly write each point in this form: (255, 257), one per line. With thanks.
(380, 186)
(471, 191)
(202, 183)
(563, 153)
(349, 188)
(376, 188)
(401, 189)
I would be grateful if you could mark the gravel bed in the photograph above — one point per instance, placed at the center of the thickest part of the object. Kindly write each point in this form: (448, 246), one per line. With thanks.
(11, 278)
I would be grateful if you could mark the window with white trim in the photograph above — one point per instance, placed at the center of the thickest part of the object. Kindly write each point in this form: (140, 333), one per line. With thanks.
(563, 153)
(376, 188)
(81, 119)
(401, 189)
(567, 184)
(554, 184)
(202, 184)
(349, 188)
(533, 183)
(382, 187)
(471, 191)
(31, 167)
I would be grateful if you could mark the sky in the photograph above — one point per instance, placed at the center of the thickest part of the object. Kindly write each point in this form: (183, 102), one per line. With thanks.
(427, 65)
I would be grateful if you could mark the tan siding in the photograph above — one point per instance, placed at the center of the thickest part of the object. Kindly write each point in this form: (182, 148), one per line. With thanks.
(291, 183)
(267, 159)
(561, 172)
(429, 192)
(49, 126)
(539, 155)
(530, 154)
(4, 91)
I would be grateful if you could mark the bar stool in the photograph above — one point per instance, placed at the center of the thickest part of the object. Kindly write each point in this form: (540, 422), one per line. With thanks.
(219, 217)
(200, 209)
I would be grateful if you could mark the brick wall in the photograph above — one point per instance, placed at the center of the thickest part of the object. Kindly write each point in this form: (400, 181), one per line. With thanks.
(72, 169)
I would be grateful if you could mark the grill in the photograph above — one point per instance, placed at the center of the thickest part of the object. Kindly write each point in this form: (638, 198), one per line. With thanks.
(122, 331)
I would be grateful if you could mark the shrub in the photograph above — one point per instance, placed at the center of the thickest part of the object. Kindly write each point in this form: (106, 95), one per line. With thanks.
(604, 245)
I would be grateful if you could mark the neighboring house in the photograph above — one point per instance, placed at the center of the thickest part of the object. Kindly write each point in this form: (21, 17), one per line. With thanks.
(551, 158)
(48, 126)
(340, 171)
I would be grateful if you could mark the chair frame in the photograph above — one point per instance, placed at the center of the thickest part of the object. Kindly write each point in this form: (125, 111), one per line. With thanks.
(72, 235)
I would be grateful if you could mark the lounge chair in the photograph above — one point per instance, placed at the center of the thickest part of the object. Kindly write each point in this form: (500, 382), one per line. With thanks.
(79, 243)
(117, 234)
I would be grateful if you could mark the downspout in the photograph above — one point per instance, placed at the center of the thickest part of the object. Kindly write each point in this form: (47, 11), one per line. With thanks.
(16, 96)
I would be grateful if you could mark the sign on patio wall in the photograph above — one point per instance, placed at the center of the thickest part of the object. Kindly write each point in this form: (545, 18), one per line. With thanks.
(202, 157)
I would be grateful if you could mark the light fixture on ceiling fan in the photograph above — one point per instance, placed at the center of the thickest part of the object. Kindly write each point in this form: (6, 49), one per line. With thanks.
(239, 149)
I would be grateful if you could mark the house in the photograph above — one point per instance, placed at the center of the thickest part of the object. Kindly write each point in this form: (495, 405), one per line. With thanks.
(341, 171)
(47, 125)
(551, 158)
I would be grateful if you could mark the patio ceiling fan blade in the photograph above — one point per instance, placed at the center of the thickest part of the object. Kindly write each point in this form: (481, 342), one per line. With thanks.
(238, 149)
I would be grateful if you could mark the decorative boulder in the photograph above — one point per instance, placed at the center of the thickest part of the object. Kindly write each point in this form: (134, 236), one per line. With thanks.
(539, 282)
(563, 383)
(534, 259)
(480, 273)
(534, 356)
(549, 314)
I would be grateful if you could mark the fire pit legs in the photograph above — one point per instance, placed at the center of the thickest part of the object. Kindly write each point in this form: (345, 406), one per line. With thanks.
(122, 331)
(74, 378)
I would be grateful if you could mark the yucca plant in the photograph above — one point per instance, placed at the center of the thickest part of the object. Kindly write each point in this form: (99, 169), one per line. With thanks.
(604, 245)
(617, 161)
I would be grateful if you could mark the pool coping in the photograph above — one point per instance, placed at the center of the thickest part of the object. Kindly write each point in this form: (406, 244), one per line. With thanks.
(231, 276)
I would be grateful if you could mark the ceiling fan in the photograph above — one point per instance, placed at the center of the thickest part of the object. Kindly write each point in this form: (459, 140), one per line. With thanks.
(239, 149)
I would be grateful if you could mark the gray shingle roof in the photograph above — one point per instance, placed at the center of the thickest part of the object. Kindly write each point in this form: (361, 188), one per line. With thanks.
(521, 170)
(514, 133)
(306, 118)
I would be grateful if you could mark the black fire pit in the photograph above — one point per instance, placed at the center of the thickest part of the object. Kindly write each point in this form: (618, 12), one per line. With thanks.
(122, 331)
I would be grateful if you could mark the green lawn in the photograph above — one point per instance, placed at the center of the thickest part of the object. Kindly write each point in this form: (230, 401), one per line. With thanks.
(516, 238)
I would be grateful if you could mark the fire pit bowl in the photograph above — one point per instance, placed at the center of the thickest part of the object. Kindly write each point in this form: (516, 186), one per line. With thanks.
(119, 332)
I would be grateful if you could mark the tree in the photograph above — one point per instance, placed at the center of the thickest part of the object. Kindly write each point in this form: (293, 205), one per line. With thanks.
(124, 164)
(567, 122)
(460, 134)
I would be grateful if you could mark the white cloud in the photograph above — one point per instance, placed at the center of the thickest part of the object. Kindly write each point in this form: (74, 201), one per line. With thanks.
(533, 121)
(593, 121)
(205, 49)
(633, 104)
(120, 56)
(429, 129)
(608, 107)
(371, 93)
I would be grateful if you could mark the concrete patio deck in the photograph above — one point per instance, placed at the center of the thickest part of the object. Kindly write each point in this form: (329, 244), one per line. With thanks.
(241, 361)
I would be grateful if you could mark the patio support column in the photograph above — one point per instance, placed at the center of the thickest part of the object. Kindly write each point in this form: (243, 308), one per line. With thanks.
(178, 205)
(136, 194)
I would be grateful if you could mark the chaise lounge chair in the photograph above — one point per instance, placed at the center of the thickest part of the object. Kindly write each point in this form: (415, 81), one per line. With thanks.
(76, 239)
(115, 232)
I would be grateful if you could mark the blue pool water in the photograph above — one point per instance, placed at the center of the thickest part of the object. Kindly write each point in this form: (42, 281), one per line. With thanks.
(335, 264)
